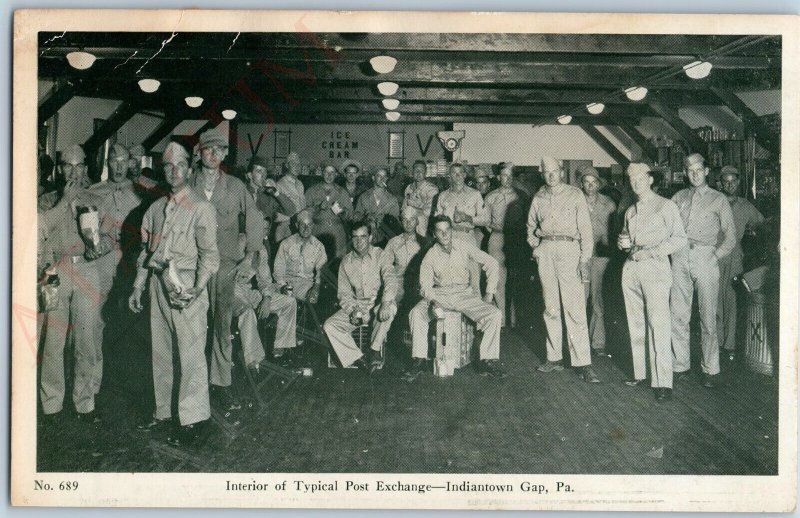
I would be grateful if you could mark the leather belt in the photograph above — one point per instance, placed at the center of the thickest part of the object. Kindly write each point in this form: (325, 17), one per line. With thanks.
(558, 238)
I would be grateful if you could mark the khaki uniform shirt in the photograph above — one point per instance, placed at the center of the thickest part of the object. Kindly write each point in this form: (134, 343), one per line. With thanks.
(561, 211)
(445, 273)
(361, 279)
(468, 201)
(707, 218)
(299, 259)
(497, 203)
(119, 199)
(654, 224)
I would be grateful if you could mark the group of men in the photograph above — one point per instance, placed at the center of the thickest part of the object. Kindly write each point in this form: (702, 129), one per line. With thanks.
(214, 251)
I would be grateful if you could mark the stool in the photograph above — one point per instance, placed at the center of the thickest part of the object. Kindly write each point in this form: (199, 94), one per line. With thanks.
(454, 340)
(757, 350)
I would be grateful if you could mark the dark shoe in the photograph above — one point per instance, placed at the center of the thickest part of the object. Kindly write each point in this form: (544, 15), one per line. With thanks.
(89, 418)
(256, 372)
(663, 394)
(680, 376)
(375, 362)
(633, 382)
(601, 353)
(52, 421)
(491, 368)
(549, 366)
(588, 375)
(418, 366)
(224, 398)
(187, 435)
(710, 380)
(361, 364)
(154, 425)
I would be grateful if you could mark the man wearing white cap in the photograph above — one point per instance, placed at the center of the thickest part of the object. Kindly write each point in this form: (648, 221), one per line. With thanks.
(72, 242)
(652, 231)
(745, 217)
(560, 234)
(497, 203)
(601, 207)
(178, 259)
(420, 195)
(234, 206)
(711, 233)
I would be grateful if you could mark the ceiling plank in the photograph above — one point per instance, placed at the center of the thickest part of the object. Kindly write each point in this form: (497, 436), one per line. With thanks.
(647, 147)
(606, 144)
(670, 115)
(121, 115)
(765, 137)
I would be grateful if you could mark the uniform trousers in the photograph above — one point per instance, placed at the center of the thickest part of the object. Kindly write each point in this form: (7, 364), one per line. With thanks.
(339, 330)
(496, 249)
(285, 308)
(646, 287)
(562, 285)
(76, 316)
(487, 318)
(695, 267)
(594, 289)
(107, 270)
(300, 287)
(184, 330)
(729, 267)
(221, 294)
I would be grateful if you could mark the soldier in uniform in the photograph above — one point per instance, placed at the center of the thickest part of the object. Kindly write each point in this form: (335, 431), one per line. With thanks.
(299, 261)
(420, 195)
(274, 205)
(745, 218)
(290, 185)
(560, 235)
(445, 283)
(497, 203)
(403, 250)
(351, 170)
(601, 208)
(651, 232)
(234, 206)
(364, 274)
(711, 233)
(179, 257)
(330, 206)
(73, 253)
(376, 203)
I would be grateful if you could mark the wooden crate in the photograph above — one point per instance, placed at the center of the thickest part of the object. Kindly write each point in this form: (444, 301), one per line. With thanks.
(454, 339)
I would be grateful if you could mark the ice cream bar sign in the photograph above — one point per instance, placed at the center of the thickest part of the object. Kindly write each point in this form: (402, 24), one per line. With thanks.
(339, 145)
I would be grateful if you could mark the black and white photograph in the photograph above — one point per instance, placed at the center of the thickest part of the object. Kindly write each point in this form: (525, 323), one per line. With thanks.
(306, 259)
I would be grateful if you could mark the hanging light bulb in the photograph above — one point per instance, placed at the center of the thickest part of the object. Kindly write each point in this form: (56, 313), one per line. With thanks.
(595, 108)
(149, 85)
(697, 69)
(388, 88)
(393, 116)
(636, 93)
(229, 114)
(391, 104)
(564, 119)
(193, 102)
(80, 60)
(383, 64)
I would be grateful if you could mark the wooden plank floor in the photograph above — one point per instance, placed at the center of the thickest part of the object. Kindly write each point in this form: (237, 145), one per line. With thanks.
(343, 421)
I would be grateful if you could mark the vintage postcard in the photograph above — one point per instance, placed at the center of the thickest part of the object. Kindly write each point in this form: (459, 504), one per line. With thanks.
(422, 260)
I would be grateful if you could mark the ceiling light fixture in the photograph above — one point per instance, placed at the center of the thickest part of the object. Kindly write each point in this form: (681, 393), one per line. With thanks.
(393, 116)
(636, 93)
(80, 60)
(564, 119)
(388, 88)
(193, 102)
(383, 64)
(229, 114)
(697, 69)
(149, 85)
(595, 108)
(391, 104)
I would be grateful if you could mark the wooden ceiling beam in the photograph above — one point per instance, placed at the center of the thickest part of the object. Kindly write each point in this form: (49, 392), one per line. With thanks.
(121, 115)
(163, 130)
(765, 137)
(63, 90)
(647, 147)
(606, 144)
(670, 115)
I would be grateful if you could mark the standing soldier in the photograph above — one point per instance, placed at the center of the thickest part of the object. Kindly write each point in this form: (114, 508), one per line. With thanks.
(601, 207)
(463, 205)
(179, 256)
(376, 203)
(364, 272)
(711, 233)
(330, 206)
(651, 232)
(72, 246)
(745, 218)
(497, 203)
(292, 187)
(420, 195)
(234, 205)
(444, 281)
(560, 235)
(273, 204)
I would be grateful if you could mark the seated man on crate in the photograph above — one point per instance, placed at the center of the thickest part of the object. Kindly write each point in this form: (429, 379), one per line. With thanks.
(365, 272)
(445, 285)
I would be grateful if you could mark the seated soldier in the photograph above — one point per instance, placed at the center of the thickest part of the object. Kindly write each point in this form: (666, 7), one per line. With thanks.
(299, 261)
(364, 273)
(404, 251)
(444, 280)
